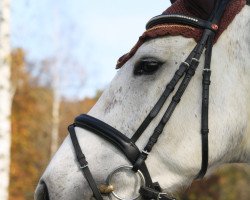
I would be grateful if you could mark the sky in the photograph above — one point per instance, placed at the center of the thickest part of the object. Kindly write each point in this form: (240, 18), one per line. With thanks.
(83, 38)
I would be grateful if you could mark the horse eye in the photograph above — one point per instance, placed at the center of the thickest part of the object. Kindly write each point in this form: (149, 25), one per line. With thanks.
(147, 66)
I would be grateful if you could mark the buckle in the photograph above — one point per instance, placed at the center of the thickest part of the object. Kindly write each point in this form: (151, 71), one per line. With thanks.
(145, 152)
(83, 162)
(83, 166)
(159, 195)
(185, 63)
(195, 59)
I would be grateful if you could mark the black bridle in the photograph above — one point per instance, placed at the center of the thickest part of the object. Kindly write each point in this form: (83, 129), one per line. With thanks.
(186, 70)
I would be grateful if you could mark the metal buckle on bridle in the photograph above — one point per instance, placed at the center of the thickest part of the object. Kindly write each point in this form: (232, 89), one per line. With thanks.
(163, 193)
(145, 152)
(159, 195)
(185, 63)
(84, 166)
(195, 59)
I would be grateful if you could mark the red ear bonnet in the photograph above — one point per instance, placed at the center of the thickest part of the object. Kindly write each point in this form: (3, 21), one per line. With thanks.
(192, 8)
(200, 8)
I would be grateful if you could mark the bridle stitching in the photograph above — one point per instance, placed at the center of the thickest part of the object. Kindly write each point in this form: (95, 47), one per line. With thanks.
(169, 26)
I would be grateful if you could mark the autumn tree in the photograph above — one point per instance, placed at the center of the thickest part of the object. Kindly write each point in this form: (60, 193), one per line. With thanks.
(31, 126)
(72, 108)
(61, 71)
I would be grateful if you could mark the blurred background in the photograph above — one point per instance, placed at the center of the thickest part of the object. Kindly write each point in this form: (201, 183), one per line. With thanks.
(56, 58)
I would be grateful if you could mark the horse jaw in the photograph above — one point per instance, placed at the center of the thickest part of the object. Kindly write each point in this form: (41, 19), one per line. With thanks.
(176, 158)
(246, 144)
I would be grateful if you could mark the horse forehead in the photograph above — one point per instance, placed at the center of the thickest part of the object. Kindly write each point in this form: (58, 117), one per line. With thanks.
(163, 46)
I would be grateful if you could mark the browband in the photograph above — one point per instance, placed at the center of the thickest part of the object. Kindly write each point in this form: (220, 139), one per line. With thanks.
(179, 19)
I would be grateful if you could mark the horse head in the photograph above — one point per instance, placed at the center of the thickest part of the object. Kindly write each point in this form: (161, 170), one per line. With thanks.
(175, 160)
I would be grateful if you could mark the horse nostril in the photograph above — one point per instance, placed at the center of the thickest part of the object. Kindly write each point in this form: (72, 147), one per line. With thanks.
(42, 192)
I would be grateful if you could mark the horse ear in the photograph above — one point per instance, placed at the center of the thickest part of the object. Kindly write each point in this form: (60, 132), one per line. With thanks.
(200, 8)
(172, 1)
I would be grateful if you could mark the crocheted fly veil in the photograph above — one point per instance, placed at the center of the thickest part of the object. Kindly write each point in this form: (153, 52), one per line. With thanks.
(193, 8)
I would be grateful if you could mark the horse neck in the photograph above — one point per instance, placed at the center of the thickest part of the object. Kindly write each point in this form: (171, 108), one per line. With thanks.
(245, 27)
(248, 92)
(237, 40)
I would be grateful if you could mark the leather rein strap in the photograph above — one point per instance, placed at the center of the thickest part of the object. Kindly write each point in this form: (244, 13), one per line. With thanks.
(187, 70)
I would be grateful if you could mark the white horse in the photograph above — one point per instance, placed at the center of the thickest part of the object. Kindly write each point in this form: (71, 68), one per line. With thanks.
(176, 158)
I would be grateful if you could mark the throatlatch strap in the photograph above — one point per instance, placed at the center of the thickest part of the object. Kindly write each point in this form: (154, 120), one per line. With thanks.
(215, 18)
(151, 194)
(205, 106)
(83, 163)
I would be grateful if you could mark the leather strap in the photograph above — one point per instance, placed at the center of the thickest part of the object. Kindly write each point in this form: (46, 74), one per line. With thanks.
(120, 141)
(107, 132)
(83, 163)
(205, 106)
(152, 194)
(219, 11)
(179, 19)
(207, 39)
(187, 68)
(215, 18)
(168, 90)
(175, 101)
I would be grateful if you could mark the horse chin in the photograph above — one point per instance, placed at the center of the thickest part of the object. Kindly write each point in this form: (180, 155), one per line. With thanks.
(54, 184)
(54, 192)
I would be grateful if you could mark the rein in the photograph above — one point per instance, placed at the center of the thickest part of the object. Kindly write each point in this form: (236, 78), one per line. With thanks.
(148, 189)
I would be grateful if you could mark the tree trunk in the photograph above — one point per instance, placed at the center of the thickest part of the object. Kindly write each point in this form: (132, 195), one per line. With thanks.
(55, 121)
(5, 98)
